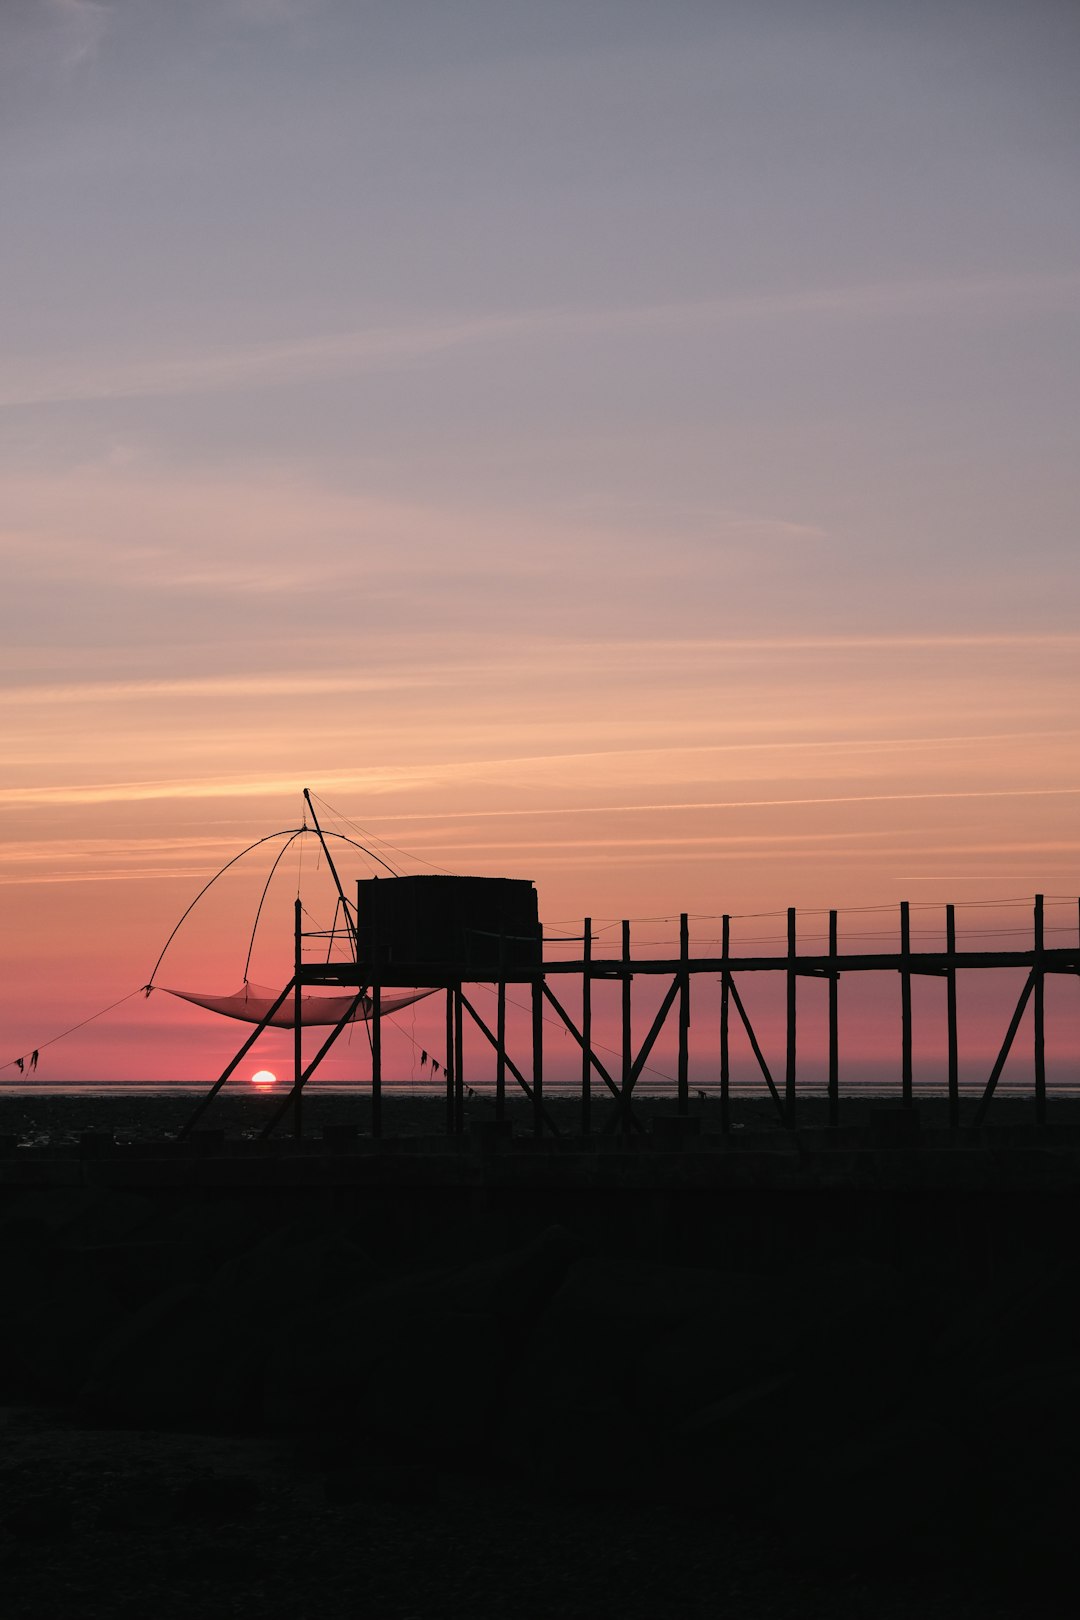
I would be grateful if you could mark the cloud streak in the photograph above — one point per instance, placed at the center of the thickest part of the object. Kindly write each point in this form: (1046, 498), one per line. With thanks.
(282, 362)
(384, 781)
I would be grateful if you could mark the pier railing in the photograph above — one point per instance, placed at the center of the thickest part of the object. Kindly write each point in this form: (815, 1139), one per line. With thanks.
(618, 1079)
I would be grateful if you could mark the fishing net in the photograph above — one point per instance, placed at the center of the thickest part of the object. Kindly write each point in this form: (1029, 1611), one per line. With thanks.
(251, 1003)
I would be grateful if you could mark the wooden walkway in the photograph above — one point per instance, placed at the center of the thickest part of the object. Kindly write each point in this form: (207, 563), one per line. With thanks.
(371, 979)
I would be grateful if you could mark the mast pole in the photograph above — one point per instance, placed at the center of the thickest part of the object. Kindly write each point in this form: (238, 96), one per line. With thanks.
(350, 924)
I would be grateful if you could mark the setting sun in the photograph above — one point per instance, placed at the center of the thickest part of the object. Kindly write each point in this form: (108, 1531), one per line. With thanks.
(264, 1077)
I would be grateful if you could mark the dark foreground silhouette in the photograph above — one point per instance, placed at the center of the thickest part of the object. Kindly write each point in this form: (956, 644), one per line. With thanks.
(309, 1400)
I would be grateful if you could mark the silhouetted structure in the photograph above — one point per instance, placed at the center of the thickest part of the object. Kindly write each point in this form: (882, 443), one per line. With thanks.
(450, 934)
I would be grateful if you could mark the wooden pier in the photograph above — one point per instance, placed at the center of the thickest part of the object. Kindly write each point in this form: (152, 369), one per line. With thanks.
(370, 979)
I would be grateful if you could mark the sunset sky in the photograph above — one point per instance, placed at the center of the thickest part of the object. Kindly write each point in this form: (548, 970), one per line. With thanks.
(631, 446)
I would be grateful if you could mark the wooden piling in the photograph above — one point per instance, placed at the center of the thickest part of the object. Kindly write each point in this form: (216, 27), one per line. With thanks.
(448, 1067)
(459, 1065)
(950, 1014)
(906, 1072)
(1039, 1005)
(627, 1036)
(725, 1027)
(834, 1026)
(684, 1015)
(538, 1056)
(371, 979)
(500, 1052)
(792, 980)
(376, 1056)
(586, 1029)
(298, 1028)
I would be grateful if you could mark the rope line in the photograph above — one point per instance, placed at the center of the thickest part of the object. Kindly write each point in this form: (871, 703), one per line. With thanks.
(606, 924)
(23, 1056)
(385, 842)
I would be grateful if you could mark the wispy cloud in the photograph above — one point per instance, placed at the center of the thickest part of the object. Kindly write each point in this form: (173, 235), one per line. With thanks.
(385, 780)
(278, 362)
(80, 27)
(211, 688)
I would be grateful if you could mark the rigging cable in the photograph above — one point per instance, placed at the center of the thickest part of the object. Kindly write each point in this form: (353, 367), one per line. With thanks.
(11, 1062)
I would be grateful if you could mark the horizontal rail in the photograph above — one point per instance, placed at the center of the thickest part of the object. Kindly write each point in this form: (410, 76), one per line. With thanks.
(1061, 959)
(1035, 961)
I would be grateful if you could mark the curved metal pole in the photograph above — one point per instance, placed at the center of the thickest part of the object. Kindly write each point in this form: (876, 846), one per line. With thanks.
(286, 832)
(266, 888)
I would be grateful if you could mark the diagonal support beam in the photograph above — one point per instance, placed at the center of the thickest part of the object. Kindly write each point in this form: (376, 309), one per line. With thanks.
(1006, 1048)
(623, 1096)
(286, 1102)
(237, 1060)
(657, 1025)
(510, 1064)
(756, 1049)
(594, 1060)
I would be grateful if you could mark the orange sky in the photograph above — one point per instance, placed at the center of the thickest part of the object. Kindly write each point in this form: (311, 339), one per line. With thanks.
(627, 780)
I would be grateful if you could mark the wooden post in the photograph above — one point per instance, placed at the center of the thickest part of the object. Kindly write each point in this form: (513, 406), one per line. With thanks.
(1040, 1014)
(500, 1052)
(538, 1055)
(376, 1055)
(950, 1014)
(448, 1068)
(725, 1052)
(586, 1029)
(459, 1065)
(298, 1038)
(627, 1050)
(905, 1004)
(834, 1027)
(235, 1062)
(789, 1080)
(684, 1014)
